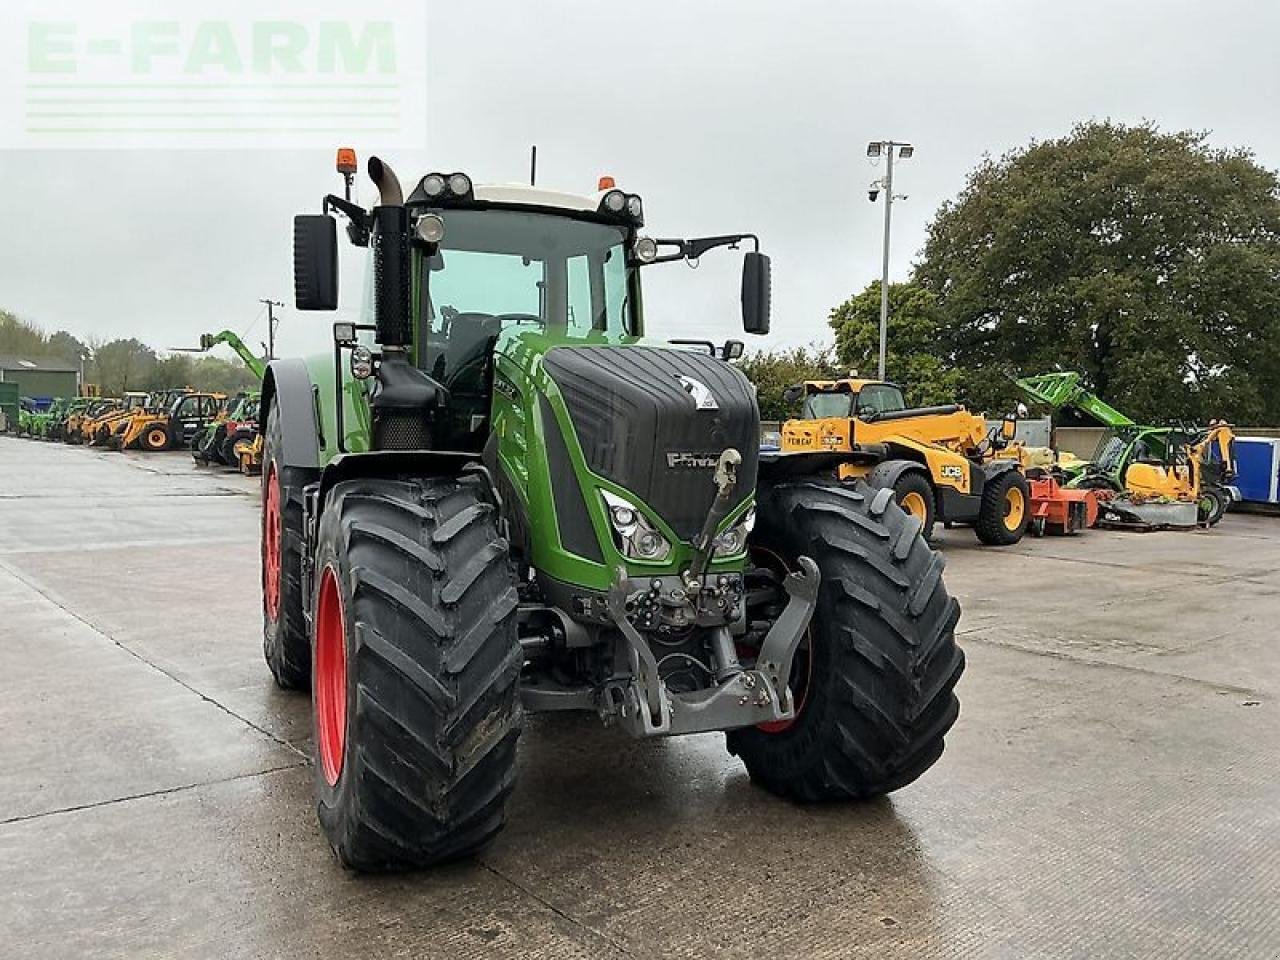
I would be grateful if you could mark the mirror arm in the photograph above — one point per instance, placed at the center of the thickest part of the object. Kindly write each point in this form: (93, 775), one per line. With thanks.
(360, 219)
(695, 248)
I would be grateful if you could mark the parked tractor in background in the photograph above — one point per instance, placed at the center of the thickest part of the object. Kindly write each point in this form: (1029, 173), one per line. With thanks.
(216, 442)
(238, 421)
(494, 496)
(941, 462)
(1149, 467)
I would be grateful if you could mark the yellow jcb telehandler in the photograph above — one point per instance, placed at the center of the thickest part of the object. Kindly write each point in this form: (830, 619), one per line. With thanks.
(941, 462)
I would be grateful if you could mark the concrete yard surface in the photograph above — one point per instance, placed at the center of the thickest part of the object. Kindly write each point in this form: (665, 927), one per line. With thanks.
(1112, 788)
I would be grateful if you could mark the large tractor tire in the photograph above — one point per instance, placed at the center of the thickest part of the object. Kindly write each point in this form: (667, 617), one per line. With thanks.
(874, 677)
(415, 671)
(284, 629)
(1005, 509)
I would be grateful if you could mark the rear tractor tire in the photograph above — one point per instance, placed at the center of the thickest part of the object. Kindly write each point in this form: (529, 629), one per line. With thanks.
(285, 644)
(875, 675)
(415, 670)
(1005, 509)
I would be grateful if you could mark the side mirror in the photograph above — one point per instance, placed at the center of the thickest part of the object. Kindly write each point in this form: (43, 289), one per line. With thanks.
(793, 393)
(755, 293)
(315, 262)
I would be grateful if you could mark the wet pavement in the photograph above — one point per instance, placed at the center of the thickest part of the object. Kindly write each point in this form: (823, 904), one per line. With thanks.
(1111, 788)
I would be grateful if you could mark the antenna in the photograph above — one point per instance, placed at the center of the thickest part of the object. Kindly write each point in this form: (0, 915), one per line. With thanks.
(533, 165)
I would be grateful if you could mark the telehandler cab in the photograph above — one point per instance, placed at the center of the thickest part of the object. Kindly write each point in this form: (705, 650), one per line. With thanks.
(496, 496)
(941, 462)
(172, 426)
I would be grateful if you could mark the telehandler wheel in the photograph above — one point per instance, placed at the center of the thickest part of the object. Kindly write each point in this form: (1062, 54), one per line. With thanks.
(155, 438)
(1005, 509)
(284, 630)
(875, 676)
(415, 670)
(914, 494)
(1211, 506)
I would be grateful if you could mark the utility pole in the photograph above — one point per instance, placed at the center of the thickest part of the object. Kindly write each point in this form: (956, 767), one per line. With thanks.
(271, 326)
(874, 149)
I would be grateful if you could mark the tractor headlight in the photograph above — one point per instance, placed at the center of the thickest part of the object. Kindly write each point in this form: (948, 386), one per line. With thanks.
(733, 541)
(634, 535)
(361, 363)
(635, 207)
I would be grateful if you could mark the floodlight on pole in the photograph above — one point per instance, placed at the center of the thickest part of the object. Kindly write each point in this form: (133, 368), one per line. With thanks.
(905, 152)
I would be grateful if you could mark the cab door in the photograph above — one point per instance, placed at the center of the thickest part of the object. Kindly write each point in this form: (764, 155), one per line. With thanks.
(188, 417)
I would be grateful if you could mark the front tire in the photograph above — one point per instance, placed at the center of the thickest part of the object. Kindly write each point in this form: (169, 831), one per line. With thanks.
(155, 438)
(875, 687)
(1005, 509)
(284, 630)
(415, 670)
(914, 494)
(1211, 506)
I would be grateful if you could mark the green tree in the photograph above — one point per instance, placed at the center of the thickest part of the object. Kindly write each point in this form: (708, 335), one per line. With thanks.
(915, 357)
(1148, 261)
(20, 338)
(67, 347)
(773, 371)
(121, 365)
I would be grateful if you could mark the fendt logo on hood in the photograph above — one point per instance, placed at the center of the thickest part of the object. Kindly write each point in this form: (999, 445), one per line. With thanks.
(692, 461)
(703, 399)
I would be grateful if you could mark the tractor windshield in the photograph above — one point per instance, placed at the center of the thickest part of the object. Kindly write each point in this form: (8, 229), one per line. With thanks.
(500, 269)
(819, 406)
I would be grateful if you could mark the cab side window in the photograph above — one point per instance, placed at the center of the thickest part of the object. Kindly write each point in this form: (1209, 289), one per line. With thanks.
(880, 399)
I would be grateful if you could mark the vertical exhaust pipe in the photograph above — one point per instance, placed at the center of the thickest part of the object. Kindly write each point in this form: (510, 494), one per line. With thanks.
(390, 240)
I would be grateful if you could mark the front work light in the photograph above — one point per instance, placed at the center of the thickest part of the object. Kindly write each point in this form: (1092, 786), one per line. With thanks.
(459, 184)
(430, 227)
(645, 249)
(433, 185)
(615, 201)
(361, 363)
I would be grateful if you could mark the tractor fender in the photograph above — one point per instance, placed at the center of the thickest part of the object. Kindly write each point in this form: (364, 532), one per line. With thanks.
(886, 474)
(287, 386)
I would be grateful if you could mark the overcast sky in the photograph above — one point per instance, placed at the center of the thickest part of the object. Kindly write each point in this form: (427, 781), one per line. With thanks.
(725, 116)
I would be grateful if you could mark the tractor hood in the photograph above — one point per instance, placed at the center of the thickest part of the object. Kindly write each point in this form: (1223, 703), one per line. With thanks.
(655, 421)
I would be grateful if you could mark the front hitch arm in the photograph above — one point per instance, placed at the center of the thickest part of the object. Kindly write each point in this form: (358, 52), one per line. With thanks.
(783, 639)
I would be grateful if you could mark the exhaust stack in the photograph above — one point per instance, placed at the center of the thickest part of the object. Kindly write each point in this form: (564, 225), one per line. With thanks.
(390, 259)
(388, 184)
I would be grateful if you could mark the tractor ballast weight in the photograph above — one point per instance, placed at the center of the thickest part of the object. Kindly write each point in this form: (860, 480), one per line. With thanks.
(494, 494)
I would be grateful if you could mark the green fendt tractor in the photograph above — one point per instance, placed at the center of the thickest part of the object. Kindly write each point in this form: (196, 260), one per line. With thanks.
(495, 496)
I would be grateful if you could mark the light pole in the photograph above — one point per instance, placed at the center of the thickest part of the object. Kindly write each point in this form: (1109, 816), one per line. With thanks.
(874, 149)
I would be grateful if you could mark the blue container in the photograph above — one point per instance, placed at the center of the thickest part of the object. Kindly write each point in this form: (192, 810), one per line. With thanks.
(1258, 468)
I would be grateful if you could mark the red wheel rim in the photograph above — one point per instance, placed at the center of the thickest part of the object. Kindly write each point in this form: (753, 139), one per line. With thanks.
(271, 532)
(330, 692)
